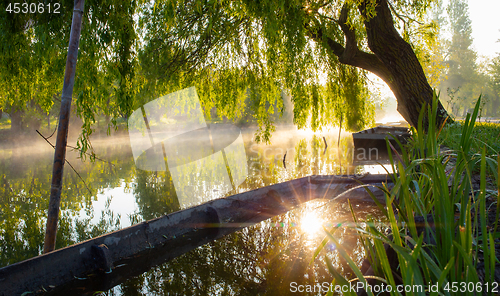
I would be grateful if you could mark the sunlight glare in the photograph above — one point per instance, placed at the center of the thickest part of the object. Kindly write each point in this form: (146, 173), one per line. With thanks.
(311, 224)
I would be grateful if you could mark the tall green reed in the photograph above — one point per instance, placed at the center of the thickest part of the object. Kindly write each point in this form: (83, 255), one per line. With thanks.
(435, 187)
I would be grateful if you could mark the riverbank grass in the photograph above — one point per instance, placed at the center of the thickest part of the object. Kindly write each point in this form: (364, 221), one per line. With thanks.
(483, 135)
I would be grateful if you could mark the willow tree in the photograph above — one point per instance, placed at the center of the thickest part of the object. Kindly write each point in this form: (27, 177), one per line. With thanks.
(34, 48)
(241, 55)
(318, 51)
(31, 63)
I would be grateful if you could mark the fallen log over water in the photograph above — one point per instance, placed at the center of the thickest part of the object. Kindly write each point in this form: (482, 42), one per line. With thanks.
(100, 263)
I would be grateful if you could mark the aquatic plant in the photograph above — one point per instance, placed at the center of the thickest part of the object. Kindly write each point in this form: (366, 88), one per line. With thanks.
(440, 239)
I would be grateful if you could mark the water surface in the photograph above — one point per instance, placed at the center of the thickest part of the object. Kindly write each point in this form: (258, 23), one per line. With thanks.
(111, 194)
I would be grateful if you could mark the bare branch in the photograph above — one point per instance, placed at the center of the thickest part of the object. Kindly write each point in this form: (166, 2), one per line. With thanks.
(402, 16)
(65, 160)
(328, 17)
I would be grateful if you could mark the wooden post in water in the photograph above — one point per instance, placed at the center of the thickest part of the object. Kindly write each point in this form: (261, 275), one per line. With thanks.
(62, 129)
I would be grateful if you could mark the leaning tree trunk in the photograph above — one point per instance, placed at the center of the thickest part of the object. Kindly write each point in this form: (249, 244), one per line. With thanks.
(405, 77)
(392, 59)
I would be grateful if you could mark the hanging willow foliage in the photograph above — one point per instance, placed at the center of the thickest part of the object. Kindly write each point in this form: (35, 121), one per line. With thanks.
(235, 50)
(241, 55)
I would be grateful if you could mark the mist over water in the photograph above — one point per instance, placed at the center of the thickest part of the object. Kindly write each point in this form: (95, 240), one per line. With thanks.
(114, 194)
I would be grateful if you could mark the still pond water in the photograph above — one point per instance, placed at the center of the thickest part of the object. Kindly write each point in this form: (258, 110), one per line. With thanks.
(112, 193)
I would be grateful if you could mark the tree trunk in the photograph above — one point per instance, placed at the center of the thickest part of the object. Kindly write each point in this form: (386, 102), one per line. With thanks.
(406, 77)
(16, 120)
(393, 59)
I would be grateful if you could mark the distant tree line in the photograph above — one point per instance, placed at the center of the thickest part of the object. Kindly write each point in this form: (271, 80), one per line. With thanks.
(464, 76)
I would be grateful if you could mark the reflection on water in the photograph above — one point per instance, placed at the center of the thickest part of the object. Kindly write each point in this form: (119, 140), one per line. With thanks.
(25, 172)
(261, 259)
(310, 223)
(204, 161)
(377, 169)
(120, 199)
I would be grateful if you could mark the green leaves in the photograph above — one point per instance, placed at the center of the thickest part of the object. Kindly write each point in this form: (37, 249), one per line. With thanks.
(265, 44)
(451, 235)
(135, 51)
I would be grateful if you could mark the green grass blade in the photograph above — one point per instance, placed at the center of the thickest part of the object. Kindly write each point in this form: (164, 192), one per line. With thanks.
(339, 278)
(322, 245)
(442, 277)
(351, 263)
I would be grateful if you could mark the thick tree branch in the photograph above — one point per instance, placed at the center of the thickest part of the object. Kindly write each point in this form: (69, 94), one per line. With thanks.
(350, 54)
(351, 44)
(317, 35)
(408, 81)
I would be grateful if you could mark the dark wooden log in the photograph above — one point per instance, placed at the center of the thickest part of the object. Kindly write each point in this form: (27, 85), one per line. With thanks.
(103, 262)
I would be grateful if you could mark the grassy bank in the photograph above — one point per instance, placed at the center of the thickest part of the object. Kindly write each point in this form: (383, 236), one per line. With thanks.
(484, 135)
(443, 217)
